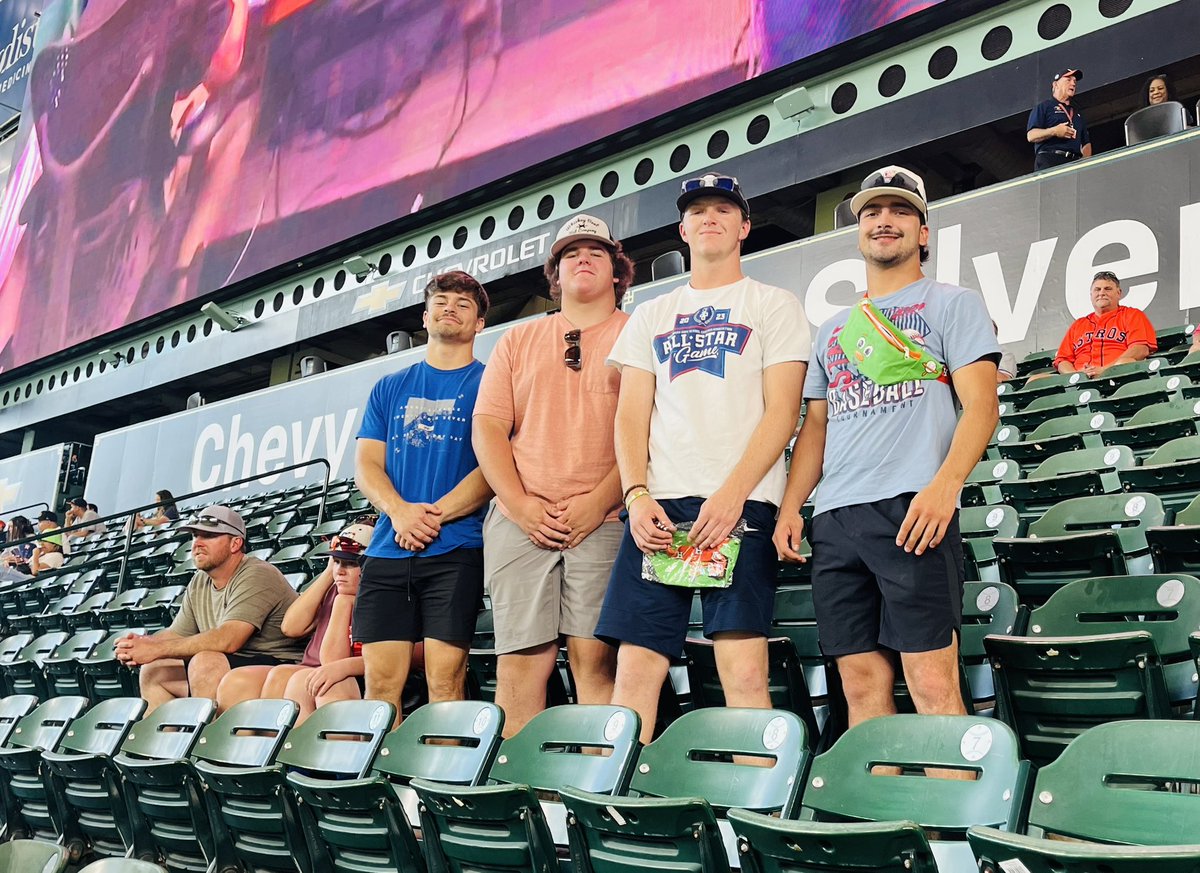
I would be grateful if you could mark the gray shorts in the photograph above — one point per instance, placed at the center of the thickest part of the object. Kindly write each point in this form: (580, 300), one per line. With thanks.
(537, 594)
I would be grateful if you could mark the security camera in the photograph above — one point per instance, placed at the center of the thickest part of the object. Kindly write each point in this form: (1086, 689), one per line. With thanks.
(223, 318)
(794, 103)
(112, 357)
(359, 267)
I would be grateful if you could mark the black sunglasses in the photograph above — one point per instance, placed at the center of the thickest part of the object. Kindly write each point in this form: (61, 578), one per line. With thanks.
(573, 355)
(1106, 274)
(899, 180)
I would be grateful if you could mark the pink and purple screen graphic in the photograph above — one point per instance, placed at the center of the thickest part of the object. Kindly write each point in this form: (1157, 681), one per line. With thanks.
(177, 146)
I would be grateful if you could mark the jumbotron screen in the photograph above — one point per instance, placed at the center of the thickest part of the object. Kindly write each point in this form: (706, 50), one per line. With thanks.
(173, 147)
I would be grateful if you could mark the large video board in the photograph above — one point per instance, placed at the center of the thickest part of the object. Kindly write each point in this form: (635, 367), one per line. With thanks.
(177, 146)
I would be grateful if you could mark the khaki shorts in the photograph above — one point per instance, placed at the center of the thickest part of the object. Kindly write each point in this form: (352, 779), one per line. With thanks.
(537, 594)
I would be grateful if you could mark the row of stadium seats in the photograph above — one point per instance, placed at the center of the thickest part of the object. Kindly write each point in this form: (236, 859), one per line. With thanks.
(574, 790)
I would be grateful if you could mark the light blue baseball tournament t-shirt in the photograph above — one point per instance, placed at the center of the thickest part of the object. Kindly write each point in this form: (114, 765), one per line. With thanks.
(885, 440)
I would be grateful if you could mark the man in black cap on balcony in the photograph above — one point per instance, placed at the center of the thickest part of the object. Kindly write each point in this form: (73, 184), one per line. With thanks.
(230, 617)
(1056, 128)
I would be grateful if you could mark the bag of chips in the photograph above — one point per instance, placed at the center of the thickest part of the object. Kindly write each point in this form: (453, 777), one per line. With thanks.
(685, 565)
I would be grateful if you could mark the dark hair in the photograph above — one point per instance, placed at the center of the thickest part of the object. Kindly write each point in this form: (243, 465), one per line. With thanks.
(1166, 80)
(93, 507)
(458, 282)
(22, 528)
(622, 266)
(166, 498)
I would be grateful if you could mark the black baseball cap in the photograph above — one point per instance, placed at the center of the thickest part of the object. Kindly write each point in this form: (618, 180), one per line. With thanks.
(80, 502)
(1077, 75)
(48, 515)
(711, 185)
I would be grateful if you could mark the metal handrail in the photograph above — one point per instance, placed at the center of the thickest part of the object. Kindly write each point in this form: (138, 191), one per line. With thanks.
(129, 513)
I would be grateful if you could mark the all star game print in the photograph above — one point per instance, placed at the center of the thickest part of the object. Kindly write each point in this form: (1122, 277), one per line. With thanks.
(700, 341)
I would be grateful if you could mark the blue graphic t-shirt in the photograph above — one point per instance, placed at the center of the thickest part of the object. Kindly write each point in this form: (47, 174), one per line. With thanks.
(708, 351)
(423, 416)
(885, 440)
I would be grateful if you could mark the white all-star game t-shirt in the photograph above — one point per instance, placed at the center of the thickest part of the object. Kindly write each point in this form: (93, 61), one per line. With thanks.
(708, 350)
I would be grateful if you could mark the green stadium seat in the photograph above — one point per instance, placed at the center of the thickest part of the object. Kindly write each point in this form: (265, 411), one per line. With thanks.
(296, 533)
(1119, 375)
(1127, 783)
(84, 616)
(996, 848)
(59, 613)
(115, 613)
(80, 780)
(1152, 426)
(849, 812)
(1078, 538)
(1176, 549)
(1041, 409)
(13, 708)
(32, 856)
(27, 805)
(157, 786)
(355, 824)
(785, 678)
(796, 619)
(978, 526)
(1003, 435)
(1099, 650)
(291, 559)
(102, 675)
(23, 674)
(504, 824)
(982, 485)
(988, 608)
(1170, 337)
(1080, 473)
(673, 816)
(61, 666)
(254, 820)
(157, 608)
(1132, 396)
(1036, 360)
(123, 865)
(1057, 435)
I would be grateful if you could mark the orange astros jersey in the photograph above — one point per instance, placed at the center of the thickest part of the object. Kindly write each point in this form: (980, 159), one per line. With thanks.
(1101, 339)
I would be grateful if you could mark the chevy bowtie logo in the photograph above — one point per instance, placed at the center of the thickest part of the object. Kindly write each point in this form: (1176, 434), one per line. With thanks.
(379, 297)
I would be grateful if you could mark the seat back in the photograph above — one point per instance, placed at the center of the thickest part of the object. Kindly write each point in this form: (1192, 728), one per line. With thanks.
(32, 856)
(561, 746)
(1128, 514)
(842, 787)
(1114, 784)
(988, 608)
(1165, 606)
(44, 727)
(454, 741)
(1186, 448)
(719, 754)
(1161, 119)
(249, 734)
(13, 708)
(978, 526)
(339, 740)
(170, 732)
(102, 729)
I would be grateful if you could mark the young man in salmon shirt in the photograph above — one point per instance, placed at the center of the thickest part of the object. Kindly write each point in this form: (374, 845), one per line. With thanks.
(543, 432)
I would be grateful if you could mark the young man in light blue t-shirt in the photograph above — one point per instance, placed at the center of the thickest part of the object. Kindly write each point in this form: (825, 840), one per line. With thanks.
(423, 576)
(891, 460)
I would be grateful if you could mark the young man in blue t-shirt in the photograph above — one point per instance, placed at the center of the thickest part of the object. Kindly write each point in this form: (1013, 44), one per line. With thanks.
(423, 575)
(891, 457)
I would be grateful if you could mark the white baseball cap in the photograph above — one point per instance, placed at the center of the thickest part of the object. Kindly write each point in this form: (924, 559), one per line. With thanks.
(892, 181)
(582, 226)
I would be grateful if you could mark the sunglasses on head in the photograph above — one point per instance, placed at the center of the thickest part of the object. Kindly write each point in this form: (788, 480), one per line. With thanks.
(899, 180)
(573, 355)
(1106, 274)
(724, 183)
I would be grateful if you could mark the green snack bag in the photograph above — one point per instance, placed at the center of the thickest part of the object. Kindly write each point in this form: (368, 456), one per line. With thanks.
(684, 565)
(881, 351)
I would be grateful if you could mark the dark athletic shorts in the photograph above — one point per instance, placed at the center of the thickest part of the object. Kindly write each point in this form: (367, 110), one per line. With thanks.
(411, 599)
(869, 593)
(256, 659)
(655, 616)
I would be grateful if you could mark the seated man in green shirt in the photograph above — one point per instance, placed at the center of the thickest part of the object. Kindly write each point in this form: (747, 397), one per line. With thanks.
(230, 617)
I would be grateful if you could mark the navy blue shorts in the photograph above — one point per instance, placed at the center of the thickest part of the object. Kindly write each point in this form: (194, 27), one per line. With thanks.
(868, 593)
(655, 616)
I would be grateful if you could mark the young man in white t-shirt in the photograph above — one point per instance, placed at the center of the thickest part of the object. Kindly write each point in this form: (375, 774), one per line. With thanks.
(711, 375)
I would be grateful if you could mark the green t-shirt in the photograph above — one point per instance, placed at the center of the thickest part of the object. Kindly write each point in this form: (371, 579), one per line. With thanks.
(257, 594)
